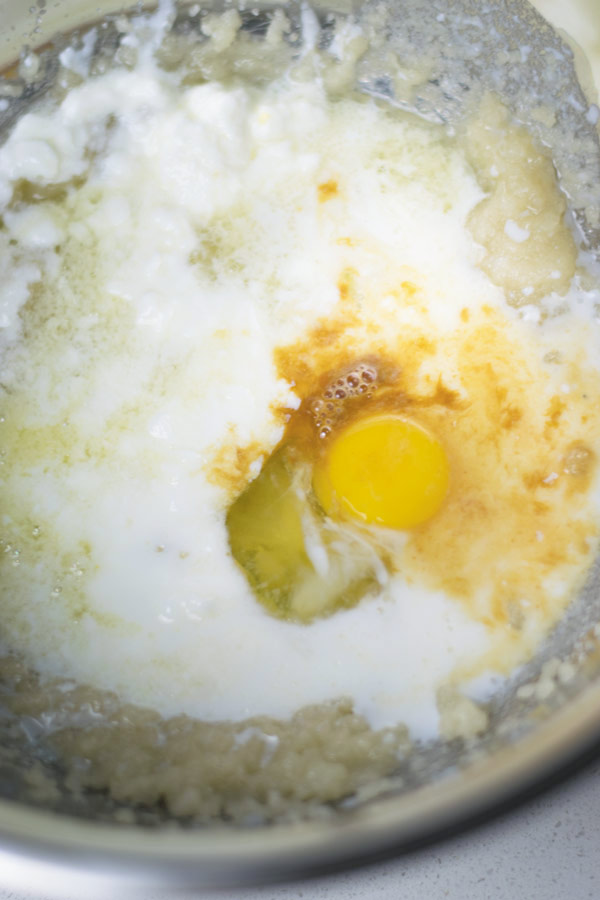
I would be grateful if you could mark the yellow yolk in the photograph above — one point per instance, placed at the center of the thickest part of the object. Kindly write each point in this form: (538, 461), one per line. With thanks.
(385, 471)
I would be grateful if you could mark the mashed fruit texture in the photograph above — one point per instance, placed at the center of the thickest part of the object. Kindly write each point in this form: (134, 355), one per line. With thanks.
(299, 423)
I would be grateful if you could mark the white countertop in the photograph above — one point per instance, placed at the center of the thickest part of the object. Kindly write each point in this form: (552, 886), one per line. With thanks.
(547, 849)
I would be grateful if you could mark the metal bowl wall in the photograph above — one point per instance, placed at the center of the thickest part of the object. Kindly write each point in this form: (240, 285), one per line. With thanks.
(527, 742)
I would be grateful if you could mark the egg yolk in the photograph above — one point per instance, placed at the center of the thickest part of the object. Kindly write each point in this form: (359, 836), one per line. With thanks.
(385, 471)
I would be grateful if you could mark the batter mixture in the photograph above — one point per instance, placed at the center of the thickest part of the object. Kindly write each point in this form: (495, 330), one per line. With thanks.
(299, 419)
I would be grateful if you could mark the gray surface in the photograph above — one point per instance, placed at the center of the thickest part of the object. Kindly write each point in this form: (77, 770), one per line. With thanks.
(547, 849)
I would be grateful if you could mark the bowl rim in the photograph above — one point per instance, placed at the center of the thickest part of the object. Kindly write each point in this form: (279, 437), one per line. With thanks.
(230, 856)
(379, 829)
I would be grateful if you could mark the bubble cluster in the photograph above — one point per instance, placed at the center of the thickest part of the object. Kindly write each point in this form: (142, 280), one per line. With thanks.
(578, 460)
(331, 404)
(13, 553)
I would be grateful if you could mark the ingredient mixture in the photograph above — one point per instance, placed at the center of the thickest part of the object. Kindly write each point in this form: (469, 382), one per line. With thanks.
(299, 418)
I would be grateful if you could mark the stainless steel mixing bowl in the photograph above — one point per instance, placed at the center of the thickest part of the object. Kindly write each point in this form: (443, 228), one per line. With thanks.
(476, 45)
